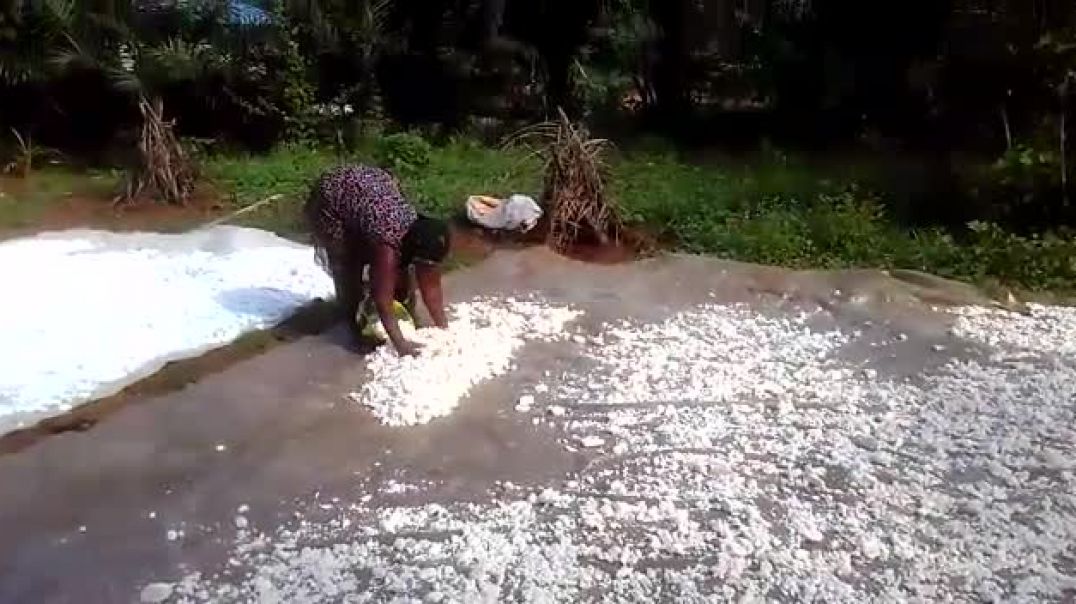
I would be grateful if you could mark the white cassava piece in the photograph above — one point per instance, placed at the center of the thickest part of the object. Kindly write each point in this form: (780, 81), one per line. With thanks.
(479, 344)
(761, 459)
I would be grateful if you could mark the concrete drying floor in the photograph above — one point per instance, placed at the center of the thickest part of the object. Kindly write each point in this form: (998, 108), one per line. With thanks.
(86, 517)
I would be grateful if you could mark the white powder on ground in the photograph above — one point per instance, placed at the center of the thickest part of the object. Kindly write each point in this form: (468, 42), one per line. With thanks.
(86, 311)
(155, 593)
(480, 343)
(1044, 328)
(752, 463)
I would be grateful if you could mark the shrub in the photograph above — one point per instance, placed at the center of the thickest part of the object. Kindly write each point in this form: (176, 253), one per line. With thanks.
(847, 229)
(769, 237)
(403, 152)
(1038, 261)
(1023, 188)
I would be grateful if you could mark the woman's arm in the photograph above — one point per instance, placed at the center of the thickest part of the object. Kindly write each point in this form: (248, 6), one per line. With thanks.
(383, 276)
(429, 283)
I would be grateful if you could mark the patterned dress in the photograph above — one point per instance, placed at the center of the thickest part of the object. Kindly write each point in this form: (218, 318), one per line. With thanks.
(358, 203)
(349, 209)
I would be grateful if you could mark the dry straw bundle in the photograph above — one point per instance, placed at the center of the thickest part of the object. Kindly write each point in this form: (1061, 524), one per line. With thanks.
(574, 189)
(163, 168)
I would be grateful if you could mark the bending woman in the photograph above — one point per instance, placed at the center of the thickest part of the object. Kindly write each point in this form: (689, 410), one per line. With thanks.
(360, 220)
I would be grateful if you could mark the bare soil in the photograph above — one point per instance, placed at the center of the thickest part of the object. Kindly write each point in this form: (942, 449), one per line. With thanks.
(88, 211)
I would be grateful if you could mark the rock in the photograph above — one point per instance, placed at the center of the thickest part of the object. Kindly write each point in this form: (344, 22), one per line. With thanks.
(871, 548)
(549, 496)
(865, 442)
(155, 593)
(525, 403)
(556, 411)
(591, 442)
(1056, 460)
(810, 533)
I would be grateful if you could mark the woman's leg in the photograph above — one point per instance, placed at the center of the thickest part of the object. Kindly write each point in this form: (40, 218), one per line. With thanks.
(350, 290)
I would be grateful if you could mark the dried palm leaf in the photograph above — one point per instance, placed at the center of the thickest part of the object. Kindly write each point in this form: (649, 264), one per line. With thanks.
(574, 192)
(164, 168)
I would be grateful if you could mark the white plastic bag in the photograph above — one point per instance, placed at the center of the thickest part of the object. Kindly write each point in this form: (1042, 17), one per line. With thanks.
(517, 213)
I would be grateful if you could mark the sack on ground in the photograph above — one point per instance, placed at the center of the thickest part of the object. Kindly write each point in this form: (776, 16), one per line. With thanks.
(517, 213)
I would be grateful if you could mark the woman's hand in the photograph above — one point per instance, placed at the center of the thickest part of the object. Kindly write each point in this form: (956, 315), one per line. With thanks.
(409, 349)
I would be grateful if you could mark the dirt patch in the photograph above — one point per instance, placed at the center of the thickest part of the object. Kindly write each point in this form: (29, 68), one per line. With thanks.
(312, 319)
(471, 244)
(89, 212)
(96, 210)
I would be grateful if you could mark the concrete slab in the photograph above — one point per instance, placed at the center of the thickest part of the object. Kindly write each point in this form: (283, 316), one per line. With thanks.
(86, 517)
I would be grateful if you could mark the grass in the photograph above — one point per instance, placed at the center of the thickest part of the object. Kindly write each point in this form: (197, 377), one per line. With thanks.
(25, 202)
(462, 169)
(684, 202)
(249, 179)
(440, 187)
(785, 212)
(774, 211)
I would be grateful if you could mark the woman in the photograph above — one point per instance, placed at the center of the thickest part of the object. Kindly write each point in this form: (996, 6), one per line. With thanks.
(361, 220)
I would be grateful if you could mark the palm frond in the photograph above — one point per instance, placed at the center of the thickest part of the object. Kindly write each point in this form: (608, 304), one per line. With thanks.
(110, 26)
(27, 154)
(126, 81)
(61, 15)
(14, 69)
(174, 60)
(164, 168)
(22, 141)
(379, 13)
(575, 172)
(72, 56)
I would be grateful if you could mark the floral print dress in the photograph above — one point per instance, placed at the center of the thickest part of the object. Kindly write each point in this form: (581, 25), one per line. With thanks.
(350, 208)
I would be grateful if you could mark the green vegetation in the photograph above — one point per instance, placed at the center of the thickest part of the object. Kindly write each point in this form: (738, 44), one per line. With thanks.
(773, 212)
(978, 97)
(451, 173)
(786, 214)
(249, 179)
